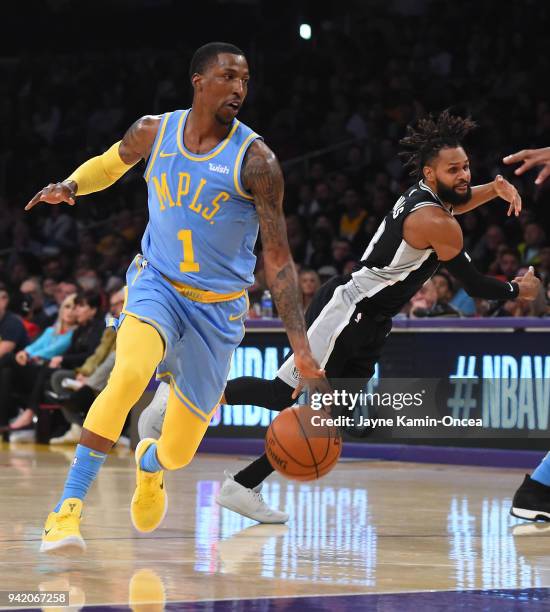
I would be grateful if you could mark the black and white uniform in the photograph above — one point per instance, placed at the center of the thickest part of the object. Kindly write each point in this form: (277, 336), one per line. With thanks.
(350, 316)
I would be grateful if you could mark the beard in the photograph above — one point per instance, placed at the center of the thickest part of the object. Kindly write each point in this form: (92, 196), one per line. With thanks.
(223, 120)
(449, 195)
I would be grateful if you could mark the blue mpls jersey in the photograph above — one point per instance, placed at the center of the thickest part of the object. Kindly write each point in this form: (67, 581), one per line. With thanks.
(202, 223)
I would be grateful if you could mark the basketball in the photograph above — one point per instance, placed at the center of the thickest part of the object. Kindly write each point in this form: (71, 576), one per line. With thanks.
(300, 449)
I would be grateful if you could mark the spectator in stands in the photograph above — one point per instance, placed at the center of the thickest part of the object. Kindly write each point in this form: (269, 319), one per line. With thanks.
(50, 306)
(27, 368)
(305, 201)
(84, 341)
(422, 301)
(323, 201)
(13, 336)
(91, 378)
(351, 220)
(443, 286)
(32, 287)
(341, 253)
(365, 102)
(533, 239)
(485, 252)
(55, 340)
(309, 283)
(507, 264)
(21, 305)
(64, 289)
(321, 254)
(59, 232)
(445, 291)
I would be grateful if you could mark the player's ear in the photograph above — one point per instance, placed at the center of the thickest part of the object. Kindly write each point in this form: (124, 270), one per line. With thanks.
(196, 81)
(428, 173)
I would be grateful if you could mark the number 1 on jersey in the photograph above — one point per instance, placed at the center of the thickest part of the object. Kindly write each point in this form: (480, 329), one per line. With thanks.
(188, 264)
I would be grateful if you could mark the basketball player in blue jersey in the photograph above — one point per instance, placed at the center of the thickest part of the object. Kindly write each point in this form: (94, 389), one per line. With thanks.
(211, 181)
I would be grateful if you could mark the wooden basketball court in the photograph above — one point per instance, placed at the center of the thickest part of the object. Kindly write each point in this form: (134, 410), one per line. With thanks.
(368, 535)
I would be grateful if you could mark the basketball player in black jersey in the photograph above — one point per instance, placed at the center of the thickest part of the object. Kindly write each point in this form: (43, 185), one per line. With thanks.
(351, 316)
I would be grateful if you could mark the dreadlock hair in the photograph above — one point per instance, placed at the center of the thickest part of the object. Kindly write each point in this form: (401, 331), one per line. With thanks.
(431, 134)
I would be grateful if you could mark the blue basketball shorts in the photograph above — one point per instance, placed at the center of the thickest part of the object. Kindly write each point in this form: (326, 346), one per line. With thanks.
(199, 338)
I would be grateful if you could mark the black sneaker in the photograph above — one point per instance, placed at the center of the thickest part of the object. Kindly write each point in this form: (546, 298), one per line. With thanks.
(531, 501)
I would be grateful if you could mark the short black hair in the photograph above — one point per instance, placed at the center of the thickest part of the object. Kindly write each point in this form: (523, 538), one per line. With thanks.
(207, 54)
(91, 298)
(430, 135)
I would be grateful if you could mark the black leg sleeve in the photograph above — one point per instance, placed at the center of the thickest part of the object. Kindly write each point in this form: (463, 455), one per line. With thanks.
(256, 472)
(272, 394)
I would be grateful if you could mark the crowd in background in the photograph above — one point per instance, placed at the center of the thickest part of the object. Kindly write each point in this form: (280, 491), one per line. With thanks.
(352, 92)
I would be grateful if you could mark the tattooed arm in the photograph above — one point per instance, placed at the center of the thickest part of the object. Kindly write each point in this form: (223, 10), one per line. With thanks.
(262, 176)
(102, 171)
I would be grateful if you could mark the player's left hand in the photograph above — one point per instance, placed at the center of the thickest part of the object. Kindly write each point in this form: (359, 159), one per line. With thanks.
(505, 190)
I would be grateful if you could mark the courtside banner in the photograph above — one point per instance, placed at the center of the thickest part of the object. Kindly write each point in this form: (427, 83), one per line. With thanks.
(501, 376)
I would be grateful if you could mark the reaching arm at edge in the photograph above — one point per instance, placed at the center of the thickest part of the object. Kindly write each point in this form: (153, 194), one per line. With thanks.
(263, 177)
(102, 171)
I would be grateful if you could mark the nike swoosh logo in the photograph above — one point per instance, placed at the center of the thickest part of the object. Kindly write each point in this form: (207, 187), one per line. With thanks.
(163, 154)
(237, 317)
(46, 531)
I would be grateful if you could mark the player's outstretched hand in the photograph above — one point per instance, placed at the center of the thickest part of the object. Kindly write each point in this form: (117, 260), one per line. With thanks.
(508, 193)
(529, 285)
(311, 375)
(54, 193)
(530, 159)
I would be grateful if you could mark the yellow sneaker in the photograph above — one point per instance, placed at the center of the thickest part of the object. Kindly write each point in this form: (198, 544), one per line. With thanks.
(150, 502)
(62, 528)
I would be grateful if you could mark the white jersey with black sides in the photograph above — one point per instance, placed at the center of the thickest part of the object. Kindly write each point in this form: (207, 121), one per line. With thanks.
(393, 271)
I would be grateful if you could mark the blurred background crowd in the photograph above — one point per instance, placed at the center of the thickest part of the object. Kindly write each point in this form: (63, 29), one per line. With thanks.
(333, 108)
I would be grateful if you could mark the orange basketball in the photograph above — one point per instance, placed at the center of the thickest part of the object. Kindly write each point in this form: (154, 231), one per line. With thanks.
(301, 447)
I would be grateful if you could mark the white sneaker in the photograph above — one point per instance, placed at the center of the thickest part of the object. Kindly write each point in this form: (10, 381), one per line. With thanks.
(248, 502)
(72, 436)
